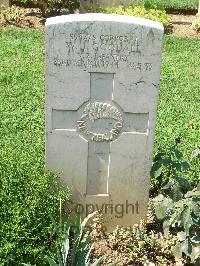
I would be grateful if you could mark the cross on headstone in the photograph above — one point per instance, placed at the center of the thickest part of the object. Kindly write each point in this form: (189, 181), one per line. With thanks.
(100, 121)
(102, 85)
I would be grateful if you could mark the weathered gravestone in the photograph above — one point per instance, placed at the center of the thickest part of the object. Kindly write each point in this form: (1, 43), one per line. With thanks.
(102, 81)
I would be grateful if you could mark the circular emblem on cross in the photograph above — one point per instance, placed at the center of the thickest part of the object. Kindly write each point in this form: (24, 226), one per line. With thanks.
(100, 122)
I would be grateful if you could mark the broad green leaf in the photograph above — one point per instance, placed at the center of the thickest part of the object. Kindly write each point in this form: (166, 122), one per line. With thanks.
(177, 251)
(177, 166)
(169, 184)
(185, 166)
(195, 209)
(162, 208)
(158, 172)
(195, 256)
(158, 156)
(187, 247)
(156, 166)
(183, 182)
(166, 162)
(196, 194)
(196, 239)
(186, 219)
(179, 204)
(181, 236)
(175, 218)
(176, 192)
(158, 198)
(178, 154)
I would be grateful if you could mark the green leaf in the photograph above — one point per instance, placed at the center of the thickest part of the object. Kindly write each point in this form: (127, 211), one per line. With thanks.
(156, 167)
(88, 255)
(176, 192)
(177, 251)
(80, 241)
(175, 218)
(195, 256)
(183, 182)
(89, 217)
(177, 166)
(185, 166)
(187, 247)
(98, 261)
(65, 244)
(51, 262)
(178, 154)
(181, 236)
(163, 207)
(166, 162)
(196, 194)
(195, 209)
(27, 264)
(196, 239)
(166, 226)
(169, 184)
(158, 156)
(186, 219)
(158, 172)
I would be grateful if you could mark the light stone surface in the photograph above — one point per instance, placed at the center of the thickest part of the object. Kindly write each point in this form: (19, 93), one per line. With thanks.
(102, 83)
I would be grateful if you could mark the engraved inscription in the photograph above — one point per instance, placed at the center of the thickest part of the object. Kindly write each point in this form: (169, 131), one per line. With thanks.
(100, 110)
(104, 51)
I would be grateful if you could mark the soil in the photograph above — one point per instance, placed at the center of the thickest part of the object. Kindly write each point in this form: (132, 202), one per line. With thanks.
(32, 18)
(182, 25)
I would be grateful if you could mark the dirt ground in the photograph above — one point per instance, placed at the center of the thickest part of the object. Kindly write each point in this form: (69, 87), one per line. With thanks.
(182, 25)
(32, 18)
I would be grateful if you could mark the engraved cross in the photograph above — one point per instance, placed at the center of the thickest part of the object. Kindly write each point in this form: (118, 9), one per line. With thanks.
(100, 121)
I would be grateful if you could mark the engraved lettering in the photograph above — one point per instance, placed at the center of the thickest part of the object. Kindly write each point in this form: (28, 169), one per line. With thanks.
(148, 66)
(85, 50)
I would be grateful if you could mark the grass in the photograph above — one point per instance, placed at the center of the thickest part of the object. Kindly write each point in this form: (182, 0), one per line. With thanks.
(164, 4)
(25, 195)
(178, 110)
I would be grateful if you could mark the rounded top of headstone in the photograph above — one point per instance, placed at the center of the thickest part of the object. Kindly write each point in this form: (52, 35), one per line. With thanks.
(100, 17)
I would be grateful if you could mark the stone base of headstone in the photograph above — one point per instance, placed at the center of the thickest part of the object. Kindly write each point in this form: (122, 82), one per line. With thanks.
(5, 3)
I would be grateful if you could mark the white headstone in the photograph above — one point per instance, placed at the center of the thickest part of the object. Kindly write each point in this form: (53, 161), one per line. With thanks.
(102, 82)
